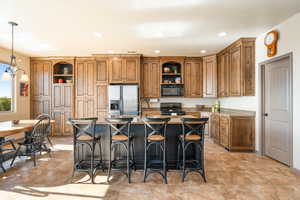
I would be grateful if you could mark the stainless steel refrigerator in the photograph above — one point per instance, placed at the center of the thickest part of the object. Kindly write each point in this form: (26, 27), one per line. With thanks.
(123, 99)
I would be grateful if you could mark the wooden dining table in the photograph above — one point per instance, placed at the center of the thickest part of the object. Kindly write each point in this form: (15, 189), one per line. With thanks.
(8, 128)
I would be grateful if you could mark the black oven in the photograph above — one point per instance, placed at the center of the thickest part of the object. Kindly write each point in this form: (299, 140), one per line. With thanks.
(175, 90)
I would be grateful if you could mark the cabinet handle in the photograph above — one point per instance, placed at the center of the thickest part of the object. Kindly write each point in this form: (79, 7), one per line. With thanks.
(266, 114)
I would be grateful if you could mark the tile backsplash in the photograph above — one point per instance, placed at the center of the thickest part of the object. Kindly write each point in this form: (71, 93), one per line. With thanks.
(186, 102)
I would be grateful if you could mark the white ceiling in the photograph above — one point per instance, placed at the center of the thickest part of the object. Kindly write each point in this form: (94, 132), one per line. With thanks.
(175, 27)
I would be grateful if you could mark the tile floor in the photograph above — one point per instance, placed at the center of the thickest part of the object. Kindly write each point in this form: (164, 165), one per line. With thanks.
(231, 176)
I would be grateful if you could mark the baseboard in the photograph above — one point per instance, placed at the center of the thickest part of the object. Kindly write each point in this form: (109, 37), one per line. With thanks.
(296, 171)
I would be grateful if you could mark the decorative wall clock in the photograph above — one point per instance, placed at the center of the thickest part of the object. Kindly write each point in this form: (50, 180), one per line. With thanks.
(271, 43)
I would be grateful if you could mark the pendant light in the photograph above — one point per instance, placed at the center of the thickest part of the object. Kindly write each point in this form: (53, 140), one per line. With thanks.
(11, 70)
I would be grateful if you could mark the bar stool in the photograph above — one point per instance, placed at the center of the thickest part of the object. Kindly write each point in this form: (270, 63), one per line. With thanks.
(85, 139)
(192, 134)
(155, 134)
(120, 136)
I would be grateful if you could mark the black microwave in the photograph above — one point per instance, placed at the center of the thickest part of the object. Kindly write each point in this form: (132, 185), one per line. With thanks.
(175, 90)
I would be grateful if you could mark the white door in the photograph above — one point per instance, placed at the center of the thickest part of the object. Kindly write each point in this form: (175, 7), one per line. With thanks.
(278, 111)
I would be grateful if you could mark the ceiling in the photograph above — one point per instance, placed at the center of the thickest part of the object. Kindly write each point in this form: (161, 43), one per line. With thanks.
(175, 27)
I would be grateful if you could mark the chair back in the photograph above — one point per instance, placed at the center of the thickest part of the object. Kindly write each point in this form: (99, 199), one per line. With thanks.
(83, 126)
(119, 125)
(193, 126)
(42, 128)
(155, 126)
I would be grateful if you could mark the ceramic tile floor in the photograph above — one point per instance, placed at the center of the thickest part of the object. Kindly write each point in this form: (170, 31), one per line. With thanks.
(231, 176)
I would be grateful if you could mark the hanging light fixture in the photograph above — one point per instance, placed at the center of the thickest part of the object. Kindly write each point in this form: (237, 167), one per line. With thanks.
(11, 70)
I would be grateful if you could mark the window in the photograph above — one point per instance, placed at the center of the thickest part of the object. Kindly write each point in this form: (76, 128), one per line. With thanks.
(6, 92)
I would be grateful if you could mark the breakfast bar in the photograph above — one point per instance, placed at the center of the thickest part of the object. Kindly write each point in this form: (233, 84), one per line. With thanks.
(174, 129)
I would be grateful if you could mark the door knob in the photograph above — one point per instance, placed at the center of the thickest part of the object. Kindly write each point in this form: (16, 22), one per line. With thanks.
(266, 114)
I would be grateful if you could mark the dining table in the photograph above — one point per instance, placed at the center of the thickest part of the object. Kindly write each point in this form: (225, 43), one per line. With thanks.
(9, 128)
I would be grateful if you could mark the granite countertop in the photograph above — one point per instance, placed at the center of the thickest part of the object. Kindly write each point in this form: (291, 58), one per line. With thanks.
(224, 111)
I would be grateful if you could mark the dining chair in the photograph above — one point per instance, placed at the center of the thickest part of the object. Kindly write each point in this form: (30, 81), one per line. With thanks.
(35, 141)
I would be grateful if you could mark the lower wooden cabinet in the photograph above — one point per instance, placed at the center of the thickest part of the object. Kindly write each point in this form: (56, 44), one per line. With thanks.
(224, 131)
(214, 127)
(61, 122)
(235, 133)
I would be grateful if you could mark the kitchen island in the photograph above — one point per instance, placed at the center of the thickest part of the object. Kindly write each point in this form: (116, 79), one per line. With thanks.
(174, 129)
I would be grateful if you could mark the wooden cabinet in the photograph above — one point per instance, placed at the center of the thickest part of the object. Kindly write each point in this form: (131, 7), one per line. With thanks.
(40, 78)
(193, 77)
(150, 77)
(223, 74)
(62, 107)
(242, 67)
(242, 133)
(224, 130)
(210, 76)
(234, 132)
(124, 69)
(214, 127)
(236, 71)
(62, 97)
(85, 75)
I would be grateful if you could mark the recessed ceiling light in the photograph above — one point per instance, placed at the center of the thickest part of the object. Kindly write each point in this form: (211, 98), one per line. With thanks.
(157, 51)
(203, 51)
(222, 34)
(110, 51)
(97, 34)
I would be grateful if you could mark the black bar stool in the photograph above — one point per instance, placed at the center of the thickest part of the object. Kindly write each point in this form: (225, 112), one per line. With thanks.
(156, 134)
(85, 139)
(192, 134)
(120, 136)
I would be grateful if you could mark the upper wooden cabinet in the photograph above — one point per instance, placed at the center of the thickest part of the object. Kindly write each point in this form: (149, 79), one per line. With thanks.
(236, 69)
(102, 70)
(150, 77)
(193, 77)
(223, 74)
(124, 69)
(210, 76)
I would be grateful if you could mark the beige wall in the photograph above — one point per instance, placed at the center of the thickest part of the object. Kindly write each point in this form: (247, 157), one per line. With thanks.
(22, 110)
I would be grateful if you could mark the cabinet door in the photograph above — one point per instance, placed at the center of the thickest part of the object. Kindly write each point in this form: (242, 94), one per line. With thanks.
(242, 136)
(116, 71)
(67, 129)
(151, 81)
(224, 131)
(101, 97)
(223, 75)
(210, 76)
(236, 72)
(214, 128)
(101, 71)
(249, 68)
(67, 96)
(131, 69)
(58, 117)
(193, 79)
(90, 81)
(57, 100)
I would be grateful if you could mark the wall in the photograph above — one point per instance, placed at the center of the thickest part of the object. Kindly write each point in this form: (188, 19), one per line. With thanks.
(22, 103)
(289, 42)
